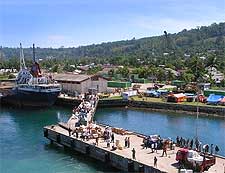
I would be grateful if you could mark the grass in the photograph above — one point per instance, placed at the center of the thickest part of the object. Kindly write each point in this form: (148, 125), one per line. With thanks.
(3, 77)
(113, 98)
(160, 100)
(148, 99)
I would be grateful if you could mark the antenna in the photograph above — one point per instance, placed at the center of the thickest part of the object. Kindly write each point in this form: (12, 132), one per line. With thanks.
(34, 53)
(22, 61)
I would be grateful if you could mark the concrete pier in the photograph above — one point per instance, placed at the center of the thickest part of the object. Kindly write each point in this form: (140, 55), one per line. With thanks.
(82, 135)
(122, 158)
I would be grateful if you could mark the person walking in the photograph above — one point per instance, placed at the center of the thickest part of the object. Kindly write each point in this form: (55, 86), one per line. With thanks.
(128, 142)
(197, 144)
(211, 149)
(191, 143)
(155, 162)
(97, 141)
(69, 130)
(76, 132)
(145, 143)
(125, 141)
(108, 143)
(178, 141)
(164, 149)
(112, 138)
(152, 147)
(156, 147)
(217, 149)
(133, 154)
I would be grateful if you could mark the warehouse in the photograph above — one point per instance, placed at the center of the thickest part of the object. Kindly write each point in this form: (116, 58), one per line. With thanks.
(79, 84)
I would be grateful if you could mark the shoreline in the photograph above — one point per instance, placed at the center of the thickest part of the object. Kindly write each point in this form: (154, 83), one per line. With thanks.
(207, 111)
(178, 112)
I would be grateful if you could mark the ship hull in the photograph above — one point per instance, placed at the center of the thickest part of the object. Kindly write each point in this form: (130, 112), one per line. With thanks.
(30, 98)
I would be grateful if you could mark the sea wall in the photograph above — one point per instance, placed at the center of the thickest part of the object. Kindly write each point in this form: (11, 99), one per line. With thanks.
(173, 107)
(108, 157)
(156, 106)
(113, 103)
(67, 101)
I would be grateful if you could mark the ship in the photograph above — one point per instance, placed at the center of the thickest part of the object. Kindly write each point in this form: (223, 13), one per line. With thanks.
(32, 88)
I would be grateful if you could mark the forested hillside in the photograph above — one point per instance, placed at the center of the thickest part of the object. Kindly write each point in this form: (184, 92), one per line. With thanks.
(168, 47)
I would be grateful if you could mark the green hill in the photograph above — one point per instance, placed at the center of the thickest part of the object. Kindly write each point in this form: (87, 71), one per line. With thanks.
(190, 42)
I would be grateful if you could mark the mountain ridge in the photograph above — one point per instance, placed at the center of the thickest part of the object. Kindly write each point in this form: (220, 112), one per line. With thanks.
(190, 42)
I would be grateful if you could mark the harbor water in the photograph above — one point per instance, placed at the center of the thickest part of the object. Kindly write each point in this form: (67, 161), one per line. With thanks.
(24, 149)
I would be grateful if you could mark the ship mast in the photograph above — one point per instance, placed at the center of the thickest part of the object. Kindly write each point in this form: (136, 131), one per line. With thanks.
(34, 54)
(22, 61)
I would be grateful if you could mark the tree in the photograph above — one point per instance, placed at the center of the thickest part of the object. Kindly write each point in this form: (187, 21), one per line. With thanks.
(187, 77)
(123, 71)
(160, 74)
(197, 68)
(69, 68)
(170, 76)
(55, 68)
(111, 72)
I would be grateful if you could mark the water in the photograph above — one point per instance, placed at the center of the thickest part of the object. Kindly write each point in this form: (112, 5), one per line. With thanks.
(24, 149)
(210, 130)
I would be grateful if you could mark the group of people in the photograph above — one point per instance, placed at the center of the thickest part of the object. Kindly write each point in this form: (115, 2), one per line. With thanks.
(205, 149)
(127, 142)
(197, 145)
(85, 109)
(182, 142)
(108, 136)
(154, 142)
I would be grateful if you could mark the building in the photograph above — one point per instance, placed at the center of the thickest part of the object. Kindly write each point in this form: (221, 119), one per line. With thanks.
(216, 75)
(79, 84)
(204, 86)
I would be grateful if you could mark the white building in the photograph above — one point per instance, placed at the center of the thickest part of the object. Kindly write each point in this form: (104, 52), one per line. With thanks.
(217, 76)
(77, 83)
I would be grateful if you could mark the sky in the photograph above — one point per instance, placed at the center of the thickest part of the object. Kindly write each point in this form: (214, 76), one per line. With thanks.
(72, 23)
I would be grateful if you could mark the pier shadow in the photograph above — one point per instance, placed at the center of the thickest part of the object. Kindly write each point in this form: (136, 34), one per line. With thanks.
(75, 157)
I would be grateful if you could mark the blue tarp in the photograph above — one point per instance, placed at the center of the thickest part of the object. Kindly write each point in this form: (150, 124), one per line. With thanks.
(152, 93)
(214, 99)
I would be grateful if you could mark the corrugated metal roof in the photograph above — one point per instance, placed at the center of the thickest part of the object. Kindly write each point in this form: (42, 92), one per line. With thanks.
(71, 77)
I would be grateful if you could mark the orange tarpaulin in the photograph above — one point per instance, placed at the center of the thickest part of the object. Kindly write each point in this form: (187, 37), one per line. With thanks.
(176, 98)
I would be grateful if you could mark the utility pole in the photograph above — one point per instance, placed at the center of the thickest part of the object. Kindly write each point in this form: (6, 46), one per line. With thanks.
(198, 90)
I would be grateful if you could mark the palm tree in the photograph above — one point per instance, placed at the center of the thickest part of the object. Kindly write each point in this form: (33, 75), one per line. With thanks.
(197, 67)
(170, 75)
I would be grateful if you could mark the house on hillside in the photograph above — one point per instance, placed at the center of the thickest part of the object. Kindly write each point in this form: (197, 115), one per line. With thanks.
(83, 68)
(216, 75)
(174, 72)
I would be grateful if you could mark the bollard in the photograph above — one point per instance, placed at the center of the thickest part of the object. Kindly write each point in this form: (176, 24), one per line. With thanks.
(130, 165)
(141, 169)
